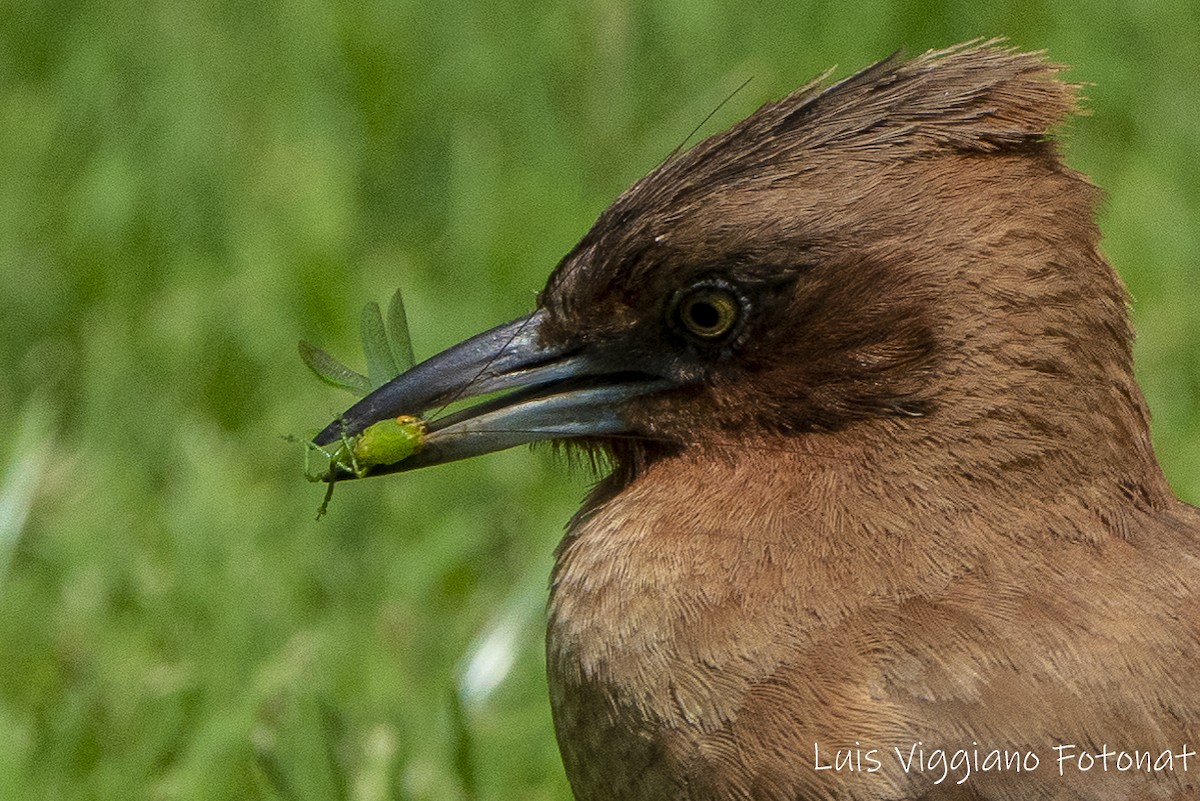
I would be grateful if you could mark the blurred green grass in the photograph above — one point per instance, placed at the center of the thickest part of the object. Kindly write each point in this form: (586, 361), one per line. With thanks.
(190, 188)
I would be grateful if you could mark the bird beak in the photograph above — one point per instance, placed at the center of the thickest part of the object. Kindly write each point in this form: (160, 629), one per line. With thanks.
(553, 392)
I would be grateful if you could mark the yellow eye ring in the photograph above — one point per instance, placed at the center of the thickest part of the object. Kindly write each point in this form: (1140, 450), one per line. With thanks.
(709, 312)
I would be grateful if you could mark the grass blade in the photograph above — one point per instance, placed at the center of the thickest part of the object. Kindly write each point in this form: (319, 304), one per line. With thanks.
(464, 756)
(22, 476)
(272, 772)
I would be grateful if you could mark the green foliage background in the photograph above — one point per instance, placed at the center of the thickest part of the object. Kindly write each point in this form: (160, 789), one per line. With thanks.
(188, 188)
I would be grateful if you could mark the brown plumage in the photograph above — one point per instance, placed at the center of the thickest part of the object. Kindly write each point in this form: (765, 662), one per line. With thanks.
(882, 474)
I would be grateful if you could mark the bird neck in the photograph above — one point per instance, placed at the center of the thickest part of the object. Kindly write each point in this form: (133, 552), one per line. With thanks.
(894, 507)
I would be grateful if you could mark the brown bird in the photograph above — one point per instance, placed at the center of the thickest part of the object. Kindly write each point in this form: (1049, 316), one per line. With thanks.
(884, 520)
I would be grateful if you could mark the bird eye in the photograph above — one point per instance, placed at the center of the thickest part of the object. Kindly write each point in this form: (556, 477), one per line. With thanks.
(708, 311)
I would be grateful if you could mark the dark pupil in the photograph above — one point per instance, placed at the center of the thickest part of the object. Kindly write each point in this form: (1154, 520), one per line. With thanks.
(704, 314)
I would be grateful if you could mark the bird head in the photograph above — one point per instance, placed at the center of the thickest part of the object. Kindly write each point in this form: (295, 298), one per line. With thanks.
(901, 251)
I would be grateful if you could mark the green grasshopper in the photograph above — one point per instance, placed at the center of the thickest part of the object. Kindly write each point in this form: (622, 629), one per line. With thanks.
(385, 442)
(388, 349)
